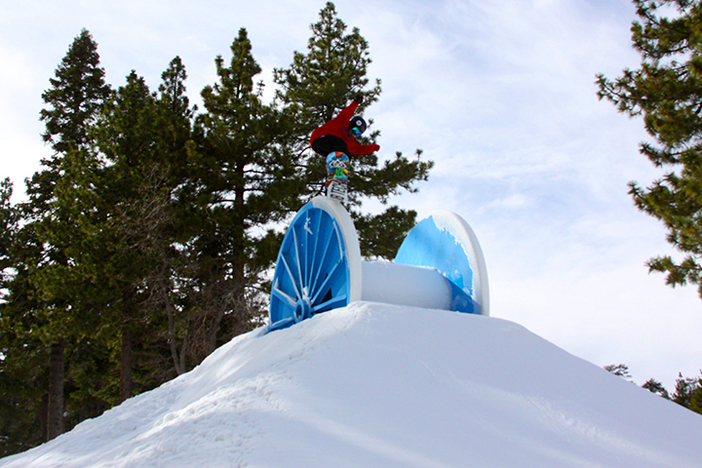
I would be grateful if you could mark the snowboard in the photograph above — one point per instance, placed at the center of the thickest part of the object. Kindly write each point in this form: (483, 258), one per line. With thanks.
(337, 176)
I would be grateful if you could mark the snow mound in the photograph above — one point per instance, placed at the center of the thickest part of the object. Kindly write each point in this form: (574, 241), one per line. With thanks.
(375, 385)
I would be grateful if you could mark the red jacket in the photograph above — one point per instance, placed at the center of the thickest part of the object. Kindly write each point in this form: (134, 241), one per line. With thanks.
(339, 126)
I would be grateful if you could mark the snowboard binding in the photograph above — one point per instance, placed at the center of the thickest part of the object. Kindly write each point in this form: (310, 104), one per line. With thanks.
(338, 190)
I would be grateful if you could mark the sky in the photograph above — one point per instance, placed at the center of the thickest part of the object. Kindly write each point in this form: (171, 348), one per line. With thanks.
(501, 95)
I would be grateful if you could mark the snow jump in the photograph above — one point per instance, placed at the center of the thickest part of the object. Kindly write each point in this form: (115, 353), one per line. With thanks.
(439, 265)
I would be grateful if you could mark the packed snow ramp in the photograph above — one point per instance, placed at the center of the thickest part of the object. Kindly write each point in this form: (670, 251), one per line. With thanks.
(374, 385)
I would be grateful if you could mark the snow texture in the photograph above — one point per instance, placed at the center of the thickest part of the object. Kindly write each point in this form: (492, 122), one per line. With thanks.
(375, 385)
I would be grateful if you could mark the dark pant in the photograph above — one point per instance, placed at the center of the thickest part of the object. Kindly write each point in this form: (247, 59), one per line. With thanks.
(328, 143)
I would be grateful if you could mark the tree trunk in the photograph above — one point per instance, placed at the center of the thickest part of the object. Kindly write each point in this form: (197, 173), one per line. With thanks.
(178, 362)
(125, 381)
(55, 423)
(43, 416)
(125, 377)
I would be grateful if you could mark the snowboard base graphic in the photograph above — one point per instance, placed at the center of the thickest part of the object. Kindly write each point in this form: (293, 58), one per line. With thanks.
(337, 176)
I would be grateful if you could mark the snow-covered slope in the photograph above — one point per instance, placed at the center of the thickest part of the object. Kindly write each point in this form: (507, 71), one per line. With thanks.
(386, 386)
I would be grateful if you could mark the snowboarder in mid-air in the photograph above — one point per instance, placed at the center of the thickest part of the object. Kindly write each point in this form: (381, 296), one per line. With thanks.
(335, 140)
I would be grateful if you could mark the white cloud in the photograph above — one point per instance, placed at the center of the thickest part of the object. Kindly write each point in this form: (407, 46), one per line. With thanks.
(512, 202)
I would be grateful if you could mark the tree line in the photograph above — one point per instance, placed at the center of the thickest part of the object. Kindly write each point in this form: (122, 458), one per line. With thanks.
(146, 237)
(687, 393)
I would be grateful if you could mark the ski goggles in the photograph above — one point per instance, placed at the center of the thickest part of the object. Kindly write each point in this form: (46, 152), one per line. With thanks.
(355, 131)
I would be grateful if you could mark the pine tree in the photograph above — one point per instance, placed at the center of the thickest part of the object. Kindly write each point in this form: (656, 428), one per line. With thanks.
(19, 401)
(696, 399)
(318, 85)
(23, 356)
(666, 91)
(621, 370)
(169, 202)
(685, 388)
(8, 225)
(40, 305)
(125, 137)
(153, 198)
(657, 388)
(74, 102)
(247, 180)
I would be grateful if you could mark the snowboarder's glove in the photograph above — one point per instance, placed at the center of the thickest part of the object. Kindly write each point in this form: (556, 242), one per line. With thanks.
(358, 98)
(376, 148)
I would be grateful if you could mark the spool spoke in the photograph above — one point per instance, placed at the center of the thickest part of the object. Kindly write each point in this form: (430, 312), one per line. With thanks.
(324, 284)
(281, 295)
(291, 276)
(320, 267)
(313, 262)
(296, 243)
(339, 301)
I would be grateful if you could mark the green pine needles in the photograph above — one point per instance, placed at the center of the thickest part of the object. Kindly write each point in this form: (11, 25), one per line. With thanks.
(667, 92)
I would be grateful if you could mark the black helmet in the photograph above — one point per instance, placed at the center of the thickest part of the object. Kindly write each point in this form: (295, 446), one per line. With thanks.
(358, 122)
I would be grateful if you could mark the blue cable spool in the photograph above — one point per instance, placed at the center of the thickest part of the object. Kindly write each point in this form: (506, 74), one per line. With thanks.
(439, 265)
